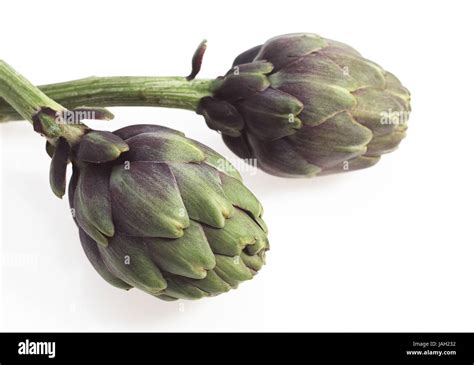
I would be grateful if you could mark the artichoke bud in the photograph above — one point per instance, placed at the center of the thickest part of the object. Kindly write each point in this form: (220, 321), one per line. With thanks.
(161, 212)
(303, 105)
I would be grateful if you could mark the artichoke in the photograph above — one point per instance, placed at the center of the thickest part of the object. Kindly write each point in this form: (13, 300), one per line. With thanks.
(299, 105)
(161, 212)
(302, 105)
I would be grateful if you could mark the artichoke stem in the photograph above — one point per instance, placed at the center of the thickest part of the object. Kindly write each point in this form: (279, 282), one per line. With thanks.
(168, 92)
(33, 105)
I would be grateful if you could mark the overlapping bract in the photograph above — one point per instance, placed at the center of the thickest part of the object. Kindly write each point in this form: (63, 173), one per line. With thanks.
(303, 105)
(162, 213)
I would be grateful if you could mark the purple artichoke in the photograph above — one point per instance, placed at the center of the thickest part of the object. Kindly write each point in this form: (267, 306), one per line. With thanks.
(302, 105)
(160, 212)
(298, 105)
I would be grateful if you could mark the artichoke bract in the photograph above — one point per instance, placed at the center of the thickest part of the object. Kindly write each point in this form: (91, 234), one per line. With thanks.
(302, 105)
(160, 212)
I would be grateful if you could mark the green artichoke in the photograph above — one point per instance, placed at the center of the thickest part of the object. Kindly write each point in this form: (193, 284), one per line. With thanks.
(161, 212)
(302, 105)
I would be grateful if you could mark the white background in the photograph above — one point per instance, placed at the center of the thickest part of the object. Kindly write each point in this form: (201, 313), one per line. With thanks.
(389, 248)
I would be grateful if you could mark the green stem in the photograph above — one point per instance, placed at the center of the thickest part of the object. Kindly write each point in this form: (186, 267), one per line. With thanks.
(21, 94)
(28, 100)
(168, 92)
